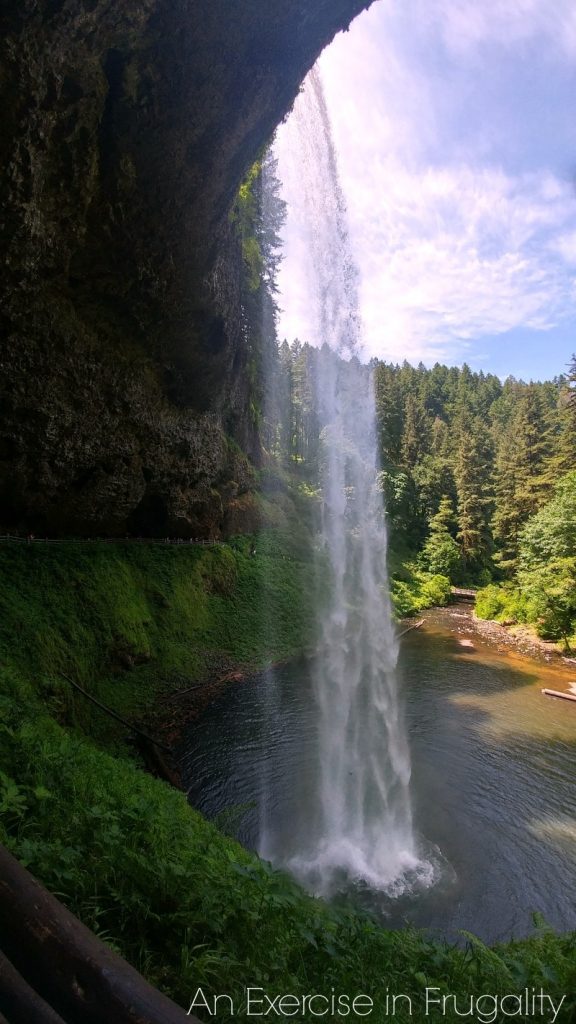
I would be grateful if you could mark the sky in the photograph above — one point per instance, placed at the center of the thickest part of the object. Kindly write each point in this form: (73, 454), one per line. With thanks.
(455, 128)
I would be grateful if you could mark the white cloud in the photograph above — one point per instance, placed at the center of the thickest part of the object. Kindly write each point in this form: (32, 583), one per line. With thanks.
(565, 247)
(452, 254)
(451, 246)
(467, 25)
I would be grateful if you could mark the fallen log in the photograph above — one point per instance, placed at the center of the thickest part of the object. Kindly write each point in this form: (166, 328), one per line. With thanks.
(65, 963)
(114, 714)
(230, 677)
(183, 693)
(559, 693)
(415, 625)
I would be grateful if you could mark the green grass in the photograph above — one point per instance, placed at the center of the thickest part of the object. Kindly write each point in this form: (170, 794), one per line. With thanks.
(189, 907)
(128, 621)
(181, 900)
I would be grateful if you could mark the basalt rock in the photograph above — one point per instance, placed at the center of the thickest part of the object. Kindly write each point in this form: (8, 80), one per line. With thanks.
(127, 127)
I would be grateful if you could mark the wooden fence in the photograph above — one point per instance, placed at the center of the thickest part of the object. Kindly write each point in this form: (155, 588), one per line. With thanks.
(54, 970)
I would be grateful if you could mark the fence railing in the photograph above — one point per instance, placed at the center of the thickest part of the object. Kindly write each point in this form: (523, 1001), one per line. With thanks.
(55, 971)
(32, 538)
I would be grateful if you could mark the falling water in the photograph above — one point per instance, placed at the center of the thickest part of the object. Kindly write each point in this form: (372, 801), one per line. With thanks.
(362, 828)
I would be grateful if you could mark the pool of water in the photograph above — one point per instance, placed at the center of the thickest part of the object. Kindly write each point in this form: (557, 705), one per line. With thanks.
(493, 779)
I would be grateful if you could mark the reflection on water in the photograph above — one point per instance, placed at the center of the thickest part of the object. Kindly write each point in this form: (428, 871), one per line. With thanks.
(493, 781)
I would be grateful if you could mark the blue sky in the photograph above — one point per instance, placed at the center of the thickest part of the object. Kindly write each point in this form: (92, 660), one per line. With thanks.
(455, 128)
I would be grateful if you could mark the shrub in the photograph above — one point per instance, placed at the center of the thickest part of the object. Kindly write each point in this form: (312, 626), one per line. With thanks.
(490, 602)
(420, 590)
(436, 590)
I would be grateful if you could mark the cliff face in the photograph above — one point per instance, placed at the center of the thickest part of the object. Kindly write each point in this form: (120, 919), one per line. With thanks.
(127, 129)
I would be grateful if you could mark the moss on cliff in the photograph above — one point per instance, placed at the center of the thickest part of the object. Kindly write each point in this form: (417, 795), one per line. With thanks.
(131, 621)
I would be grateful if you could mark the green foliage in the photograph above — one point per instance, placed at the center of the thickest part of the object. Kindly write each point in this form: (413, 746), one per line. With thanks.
(413, 590)
(545, 590)
(441, 554)
(127, 620)
(494, 450)
(472, 478)
(552, 590)
(189, 907)
(405, 598)
(547, 563)
(551, 533)
(257, 226)
(245, 215)
(521, 484)
(450, 437)
(436, 590)
(402, 504)
(494, 602)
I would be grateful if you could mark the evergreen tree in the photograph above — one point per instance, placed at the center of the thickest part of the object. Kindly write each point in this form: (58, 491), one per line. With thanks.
(472, 477)
(390, 414)
(441, 554)
(563, 428)
(416, 433)
(521, 485)
(547, 562)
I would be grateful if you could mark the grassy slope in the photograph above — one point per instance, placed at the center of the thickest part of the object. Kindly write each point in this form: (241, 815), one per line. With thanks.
(185, 903)
(127, 621)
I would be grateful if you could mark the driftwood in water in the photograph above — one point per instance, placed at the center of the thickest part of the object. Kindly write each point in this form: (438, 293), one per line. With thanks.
(559, 693)
(230, 677)
(415, 625)
(114, 714)
(183, 693)
(74, 971)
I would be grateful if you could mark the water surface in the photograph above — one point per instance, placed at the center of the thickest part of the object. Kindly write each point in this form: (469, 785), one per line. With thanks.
(493, 779)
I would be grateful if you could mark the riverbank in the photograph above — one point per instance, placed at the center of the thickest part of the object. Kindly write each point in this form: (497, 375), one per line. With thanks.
(525, 640)
(517, 641)
(175, 712)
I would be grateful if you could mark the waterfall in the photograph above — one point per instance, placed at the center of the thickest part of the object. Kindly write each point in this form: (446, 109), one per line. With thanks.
(361, 829)
(365, 821)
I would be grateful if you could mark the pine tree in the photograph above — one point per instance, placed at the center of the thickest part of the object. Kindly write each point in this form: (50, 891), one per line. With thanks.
(390, 414)
(563, 429)
(521, 485)
(416, 434)
(441, 554)
(474, 498)
(547, 562)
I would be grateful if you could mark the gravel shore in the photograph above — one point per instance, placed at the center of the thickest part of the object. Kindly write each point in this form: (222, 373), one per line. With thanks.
(517, 637)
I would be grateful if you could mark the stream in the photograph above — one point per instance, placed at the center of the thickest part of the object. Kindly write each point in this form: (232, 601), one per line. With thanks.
(493, 779)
